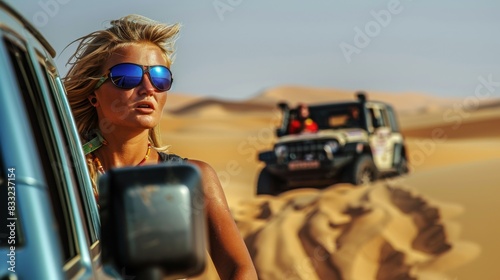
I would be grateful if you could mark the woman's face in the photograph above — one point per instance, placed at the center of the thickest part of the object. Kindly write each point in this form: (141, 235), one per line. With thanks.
(136, 108)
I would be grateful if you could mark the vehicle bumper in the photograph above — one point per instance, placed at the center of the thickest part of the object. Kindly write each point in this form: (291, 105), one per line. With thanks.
(310, 173)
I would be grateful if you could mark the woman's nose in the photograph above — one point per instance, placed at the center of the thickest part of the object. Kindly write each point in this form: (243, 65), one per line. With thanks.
(146, 85)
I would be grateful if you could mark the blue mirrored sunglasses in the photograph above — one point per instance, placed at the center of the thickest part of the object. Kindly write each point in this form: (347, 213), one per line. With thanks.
(130, 75)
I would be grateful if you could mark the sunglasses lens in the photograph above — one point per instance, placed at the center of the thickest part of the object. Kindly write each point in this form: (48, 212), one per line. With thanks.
(160, 77)
(126, 75)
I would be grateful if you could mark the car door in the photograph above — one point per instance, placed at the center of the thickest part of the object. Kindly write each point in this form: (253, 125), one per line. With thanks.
(381, 141)
(57, 223)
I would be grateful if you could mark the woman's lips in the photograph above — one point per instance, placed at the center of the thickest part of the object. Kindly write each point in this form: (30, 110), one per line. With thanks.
(145, 107)
(145, 110)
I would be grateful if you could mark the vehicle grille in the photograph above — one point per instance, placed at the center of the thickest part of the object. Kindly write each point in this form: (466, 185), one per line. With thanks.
(307, 150)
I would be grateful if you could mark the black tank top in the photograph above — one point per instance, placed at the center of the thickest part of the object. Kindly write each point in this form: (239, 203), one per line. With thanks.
(164, 157)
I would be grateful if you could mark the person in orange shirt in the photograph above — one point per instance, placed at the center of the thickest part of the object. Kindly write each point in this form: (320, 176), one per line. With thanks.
(303, 123)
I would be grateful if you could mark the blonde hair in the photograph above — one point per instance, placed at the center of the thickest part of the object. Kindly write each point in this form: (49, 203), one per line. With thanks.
(93, 51)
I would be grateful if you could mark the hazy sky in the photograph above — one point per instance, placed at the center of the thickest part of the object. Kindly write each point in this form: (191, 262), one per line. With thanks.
(237, 48)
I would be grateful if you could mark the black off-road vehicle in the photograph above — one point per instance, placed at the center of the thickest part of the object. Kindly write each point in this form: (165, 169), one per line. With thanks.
(344, 149)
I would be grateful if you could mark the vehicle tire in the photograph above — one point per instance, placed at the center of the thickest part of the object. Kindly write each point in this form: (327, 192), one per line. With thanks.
(362, 171)
(267, 183)
(402, 167)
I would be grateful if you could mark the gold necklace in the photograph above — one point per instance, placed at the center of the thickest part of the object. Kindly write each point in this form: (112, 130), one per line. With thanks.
(100, 169)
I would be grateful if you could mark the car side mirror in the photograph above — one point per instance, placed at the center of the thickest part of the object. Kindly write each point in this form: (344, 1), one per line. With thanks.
(153, 222)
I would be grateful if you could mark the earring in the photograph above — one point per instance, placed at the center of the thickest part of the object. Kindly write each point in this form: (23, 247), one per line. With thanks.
(93, 101)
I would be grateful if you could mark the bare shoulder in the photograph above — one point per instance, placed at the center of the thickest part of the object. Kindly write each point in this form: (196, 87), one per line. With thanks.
(209, 178)
(205, 168)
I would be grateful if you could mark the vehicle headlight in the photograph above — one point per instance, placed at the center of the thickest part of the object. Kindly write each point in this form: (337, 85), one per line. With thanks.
(332, 146)
(281, 151)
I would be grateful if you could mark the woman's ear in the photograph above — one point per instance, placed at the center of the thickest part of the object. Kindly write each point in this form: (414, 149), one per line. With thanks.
(93, 100)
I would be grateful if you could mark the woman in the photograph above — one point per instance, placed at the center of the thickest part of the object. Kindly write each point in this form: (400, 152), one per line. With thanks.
(117, 87)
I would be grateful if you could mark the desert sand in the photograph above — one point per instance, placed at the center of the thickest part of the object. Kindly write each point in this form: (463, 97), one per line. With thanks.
(438, 222)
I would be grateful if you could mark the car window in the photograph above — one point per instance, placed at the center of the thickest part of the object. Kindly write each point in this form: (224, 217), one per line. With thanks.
(392, 119)
(71, 144)
(337, 116)
(385, 118)
(45, 138)
(376, 117)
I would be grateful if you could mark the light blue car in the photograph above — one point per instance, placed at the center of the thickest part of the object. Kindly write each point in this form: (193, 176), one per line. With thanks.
(50, 225)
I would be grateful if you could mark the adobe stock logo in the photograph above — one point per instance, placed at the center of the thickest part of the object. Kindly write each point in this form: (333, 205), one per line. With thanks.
(223, 6)
(49, 9)
(373, 28)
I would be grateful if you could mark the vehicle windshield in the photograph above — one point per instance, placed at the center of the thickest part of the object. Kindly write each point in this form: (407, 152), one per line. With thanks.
(336, 116)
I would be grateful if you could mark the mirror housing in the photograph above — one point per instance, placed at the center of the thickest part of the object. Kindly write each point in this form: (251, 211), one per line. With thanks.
(153, 220)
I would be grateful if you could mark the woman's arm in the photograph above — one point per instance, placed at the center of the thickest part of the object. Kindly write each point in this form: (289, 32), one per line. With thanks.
(227, 249)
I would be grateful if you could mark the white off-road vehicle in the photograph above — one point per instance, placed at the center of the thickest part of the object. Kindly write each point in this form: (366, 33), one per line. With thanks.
(352, 149)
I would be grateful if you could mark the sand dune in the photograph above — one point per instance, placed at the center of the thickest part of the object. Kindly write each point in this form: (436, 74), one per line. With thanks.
(210, 106)
(407, 101)
(474, 186)
(477, 124)
(179, 100)
(436, 223)
(342, 232)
